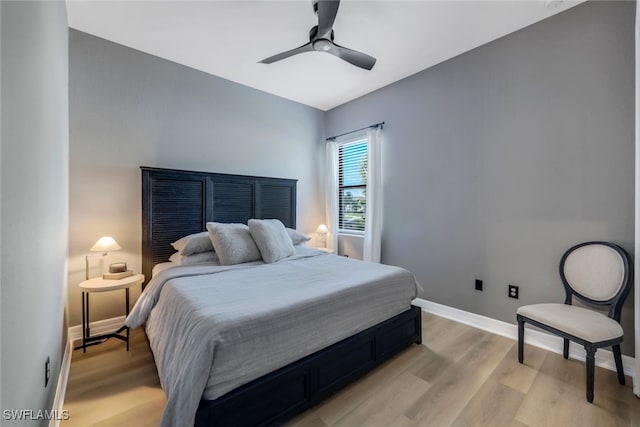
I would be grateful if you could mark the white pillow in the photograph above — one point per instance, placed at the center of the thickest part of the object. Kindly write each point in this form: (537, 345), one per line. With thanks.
(193, 244)
(199, 258)
(272, 239)
(297, 237)
(233, 243)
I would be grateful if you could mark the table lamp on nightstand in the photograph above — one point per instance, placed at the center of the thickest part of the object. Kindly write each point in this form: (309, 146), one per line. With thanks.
(104, 245)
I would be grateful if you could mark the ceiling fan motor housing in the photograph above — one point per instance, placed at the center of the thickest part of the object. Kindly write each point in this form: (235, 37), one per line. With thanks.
(313, 33)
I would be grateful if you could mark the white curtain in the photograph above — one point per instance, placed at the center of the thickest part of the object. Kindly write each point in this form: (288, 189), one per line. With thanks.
(331, 195)
(636, 379)
(373, 215)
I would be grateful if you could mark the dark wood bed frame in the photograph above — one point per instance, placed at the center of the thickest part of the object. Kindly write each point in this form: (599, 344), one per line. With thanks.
(176, 203)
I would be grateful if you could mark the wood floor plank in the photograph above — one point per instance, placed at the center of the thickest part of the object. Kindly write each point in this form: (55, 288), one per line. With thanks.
(403, 421)
(495, 404)
(557, 397)
(307, 419)
(386, 405)
(447, 349)
(345, 400)
(101, 410)
(454, 342)
(313, 422)
(519, 376)
(109, 386)
(456, 385)
(146, 415)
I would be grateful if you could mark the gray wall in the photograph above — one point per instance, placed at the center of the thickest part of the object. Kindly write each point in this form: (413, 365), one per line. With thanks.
(128, 109)
(34, 187)
(498, 160)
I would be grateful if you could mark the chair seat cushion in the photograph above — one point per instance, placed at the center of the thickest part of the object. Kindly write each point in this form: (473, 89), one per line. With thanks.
(580, 322)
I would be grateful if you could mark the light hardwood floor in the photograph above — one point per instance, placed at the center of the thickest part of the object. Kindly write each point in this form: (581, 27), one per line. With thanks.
(459, 376)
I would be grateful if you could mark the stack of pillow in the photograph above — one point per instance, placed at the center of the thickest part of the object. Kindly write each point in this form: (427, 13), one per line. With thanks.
(228, 244)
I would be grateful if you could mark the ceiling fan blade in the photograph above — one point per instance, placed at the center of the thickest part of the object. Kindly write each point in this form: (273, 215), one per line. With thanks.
(304, 48)
(353, 57)
(327, 11)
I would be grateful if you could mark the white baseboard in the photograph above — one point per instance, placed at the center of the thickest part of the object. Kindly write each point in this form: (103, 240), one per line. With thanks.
(61, 388)
(97, 328)
(604, 358)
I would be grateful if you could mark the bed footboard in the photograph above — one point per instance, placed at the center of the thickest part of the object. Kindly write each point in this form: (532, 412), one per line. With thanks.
(280, 395)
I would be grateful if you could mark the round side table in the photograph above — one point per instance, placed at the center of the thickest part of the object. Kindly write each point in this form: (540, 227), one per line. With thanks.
(98, 284)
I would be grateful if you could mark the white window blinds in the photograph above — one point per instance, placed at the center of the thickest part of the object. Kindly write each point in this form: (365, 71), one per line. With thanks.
(352, 186)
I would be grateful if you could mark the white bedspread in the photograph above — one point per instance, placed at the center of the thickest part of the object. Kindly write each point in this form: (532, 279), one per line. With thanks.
(214, 328)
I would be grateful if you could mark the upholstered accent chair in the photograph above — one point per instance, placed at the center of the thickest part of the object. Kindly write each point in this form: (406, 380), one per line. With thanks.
(599, 274)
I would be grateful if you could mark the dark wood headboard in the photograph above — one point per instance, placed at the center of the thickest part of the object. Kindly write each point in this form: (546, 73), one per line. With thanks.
(176, 203)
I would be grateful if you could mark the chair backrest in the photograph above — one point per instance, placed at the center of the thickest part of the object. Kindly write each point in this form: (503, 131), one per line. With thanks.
(599, 273)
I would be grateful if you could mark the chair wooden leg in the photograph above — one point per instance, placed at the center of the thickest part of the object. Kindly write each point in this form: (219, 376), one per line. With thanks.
(617, 356)
(565, 350)
(520, 340)
(591, 355)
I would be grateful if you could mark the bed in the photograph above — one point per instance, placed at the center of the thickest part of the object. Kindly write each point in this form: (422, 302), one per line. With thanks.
(238, 345)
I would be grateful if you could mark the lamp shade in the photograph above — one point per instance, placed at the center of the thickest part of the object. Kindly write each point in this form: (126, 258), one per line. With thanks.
(322, 229)
(105, 244)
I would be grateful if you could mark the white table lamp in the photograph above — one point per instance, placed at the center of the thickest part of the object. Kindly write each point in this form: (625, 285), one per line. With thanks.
(104, 244)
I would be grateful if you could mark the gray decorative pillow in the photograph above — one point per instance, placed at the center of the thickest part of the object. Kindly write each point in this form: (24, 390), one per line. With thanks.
(193, 244)
(199, 258)
(233, 243)
(272, 239)
(297, 237)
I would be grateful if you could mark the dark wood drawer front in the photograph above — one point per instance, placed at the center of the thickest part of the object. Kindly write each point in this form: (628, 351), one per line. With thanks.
(265, 404)
(389, 341)
(344, 363)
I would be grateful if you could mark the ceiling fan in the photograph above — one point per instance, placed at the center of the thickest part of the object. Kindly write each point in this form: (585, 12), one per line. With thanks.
(321, 39)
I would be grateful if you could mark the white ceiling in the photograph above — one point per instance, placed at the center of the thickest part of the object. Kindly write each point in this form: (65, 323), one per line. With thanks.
(228, 38)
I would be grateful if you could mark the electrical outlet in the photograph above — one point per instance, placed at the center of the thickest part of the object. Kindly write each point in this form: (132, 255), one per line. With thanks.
(47, 371)
(478, 285)
(514, 291)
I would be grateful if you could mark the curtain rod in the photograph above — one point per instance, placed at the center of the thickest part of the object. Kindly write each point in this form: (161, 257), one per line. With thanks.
(376, 125)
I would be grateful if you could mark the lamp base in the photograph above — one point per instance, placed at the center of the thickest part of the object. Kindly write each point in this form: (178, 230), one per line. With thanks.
(86, 263)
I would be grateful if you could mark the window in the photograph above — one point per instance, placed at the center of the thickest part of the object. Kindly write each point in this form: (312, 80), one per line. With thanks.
(352, 186)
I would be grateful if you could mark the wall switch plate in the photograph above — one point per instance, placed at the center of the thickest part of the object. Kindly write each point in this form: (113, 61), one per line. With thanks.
(478, 285)
(47, 371)
(514, 291)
